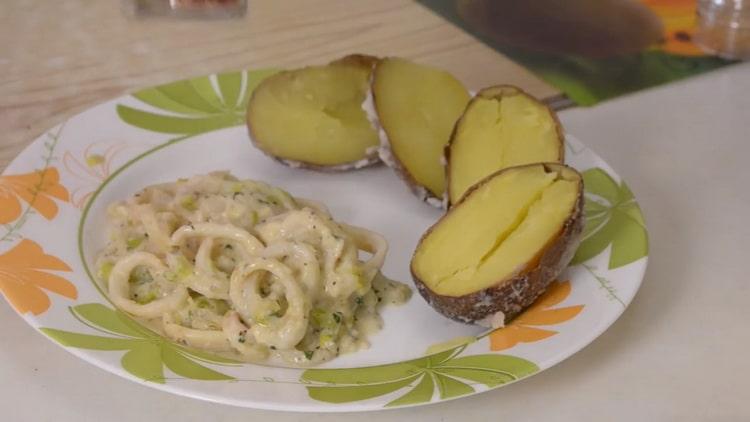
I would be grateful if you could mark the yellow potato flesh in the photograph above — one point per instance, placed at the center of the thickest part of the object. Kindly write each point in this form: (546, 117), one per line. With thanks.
(314, 115)
(496, 232)
(418, 107)
(499, 133)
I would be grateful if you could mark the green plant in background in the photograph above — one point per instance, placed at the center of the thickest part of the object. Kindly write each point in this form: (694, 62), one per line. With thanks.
(147, 353)
(613, 217)
(196, 105)
(453, 376)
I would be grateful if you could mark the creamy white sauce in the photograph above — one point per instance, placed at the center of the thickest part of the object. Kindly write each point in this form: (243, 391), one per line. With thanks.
(496, 320)
(242, 268)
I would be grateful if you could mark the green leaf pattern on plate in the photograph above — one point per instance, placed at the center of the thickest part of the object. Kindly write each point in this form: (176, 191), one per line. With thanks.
(196, 105)
(147, 353)
(612, 218)
(450, 375)
(191, 107)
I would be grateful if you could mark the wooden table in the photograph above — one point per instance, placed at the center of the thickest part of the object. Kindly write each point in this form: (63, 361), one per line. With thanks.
(678, 353)
(58, 58)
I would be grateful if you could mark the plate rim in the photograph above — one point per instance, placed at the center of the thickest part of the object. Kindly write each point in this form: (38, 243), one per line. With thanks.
(306, 406)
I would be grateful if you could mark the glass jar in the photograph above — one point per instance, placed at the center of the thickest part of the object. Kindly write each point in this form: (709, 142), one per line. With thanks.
(724, 28)
(211, 9)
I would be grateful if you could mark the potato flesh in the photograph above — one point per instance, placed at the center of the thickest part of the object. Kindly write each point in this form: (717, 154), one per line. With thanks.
(542, 224)
(498, 133)
(461, 239)
(314, 115)
(496, 233)
(418, 107)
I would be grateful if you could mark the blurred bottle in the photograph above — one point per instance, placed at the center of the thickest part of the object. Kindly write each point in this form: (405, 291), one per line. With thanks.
(210, 9)
(724, 28)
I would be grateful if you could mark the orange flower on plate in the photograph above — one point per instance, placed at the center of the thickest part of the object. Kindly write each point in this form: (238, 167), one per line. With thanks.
(679, 18)
(23, 280)
(90, 170)
(36, 188)
(523, 328)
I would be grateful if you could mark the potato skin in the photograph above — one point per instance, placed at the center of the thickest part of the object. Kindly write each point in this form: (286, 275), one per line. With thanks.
(372, 158)
(495, 92)
(511, 296)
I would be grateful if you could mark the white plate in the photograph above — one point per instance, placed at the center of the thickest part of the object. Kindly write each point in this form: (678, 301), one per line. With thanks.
(52, 201)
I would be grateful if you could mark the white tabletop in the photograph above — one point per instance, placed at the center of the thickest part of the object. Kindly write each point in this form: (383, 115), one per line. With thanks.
(680, 351)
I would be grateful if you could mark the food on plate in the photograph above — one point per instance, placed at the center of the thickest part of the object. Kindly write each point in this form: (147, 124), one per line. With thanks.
(417, 107)
(511, 231)
(501, 127)
(243, 268)
(313, 117)
(497, 249)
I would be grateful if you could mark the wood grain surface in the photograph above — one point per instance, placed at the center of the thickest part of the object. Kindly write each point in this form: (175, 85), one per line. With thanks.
(60, 57)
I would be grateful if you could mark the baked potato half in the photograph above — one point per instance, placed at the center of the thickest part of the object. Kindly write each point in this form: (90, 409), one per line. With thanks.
(313, 117)
(417, 107)
(498, 248)
(502, 126)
